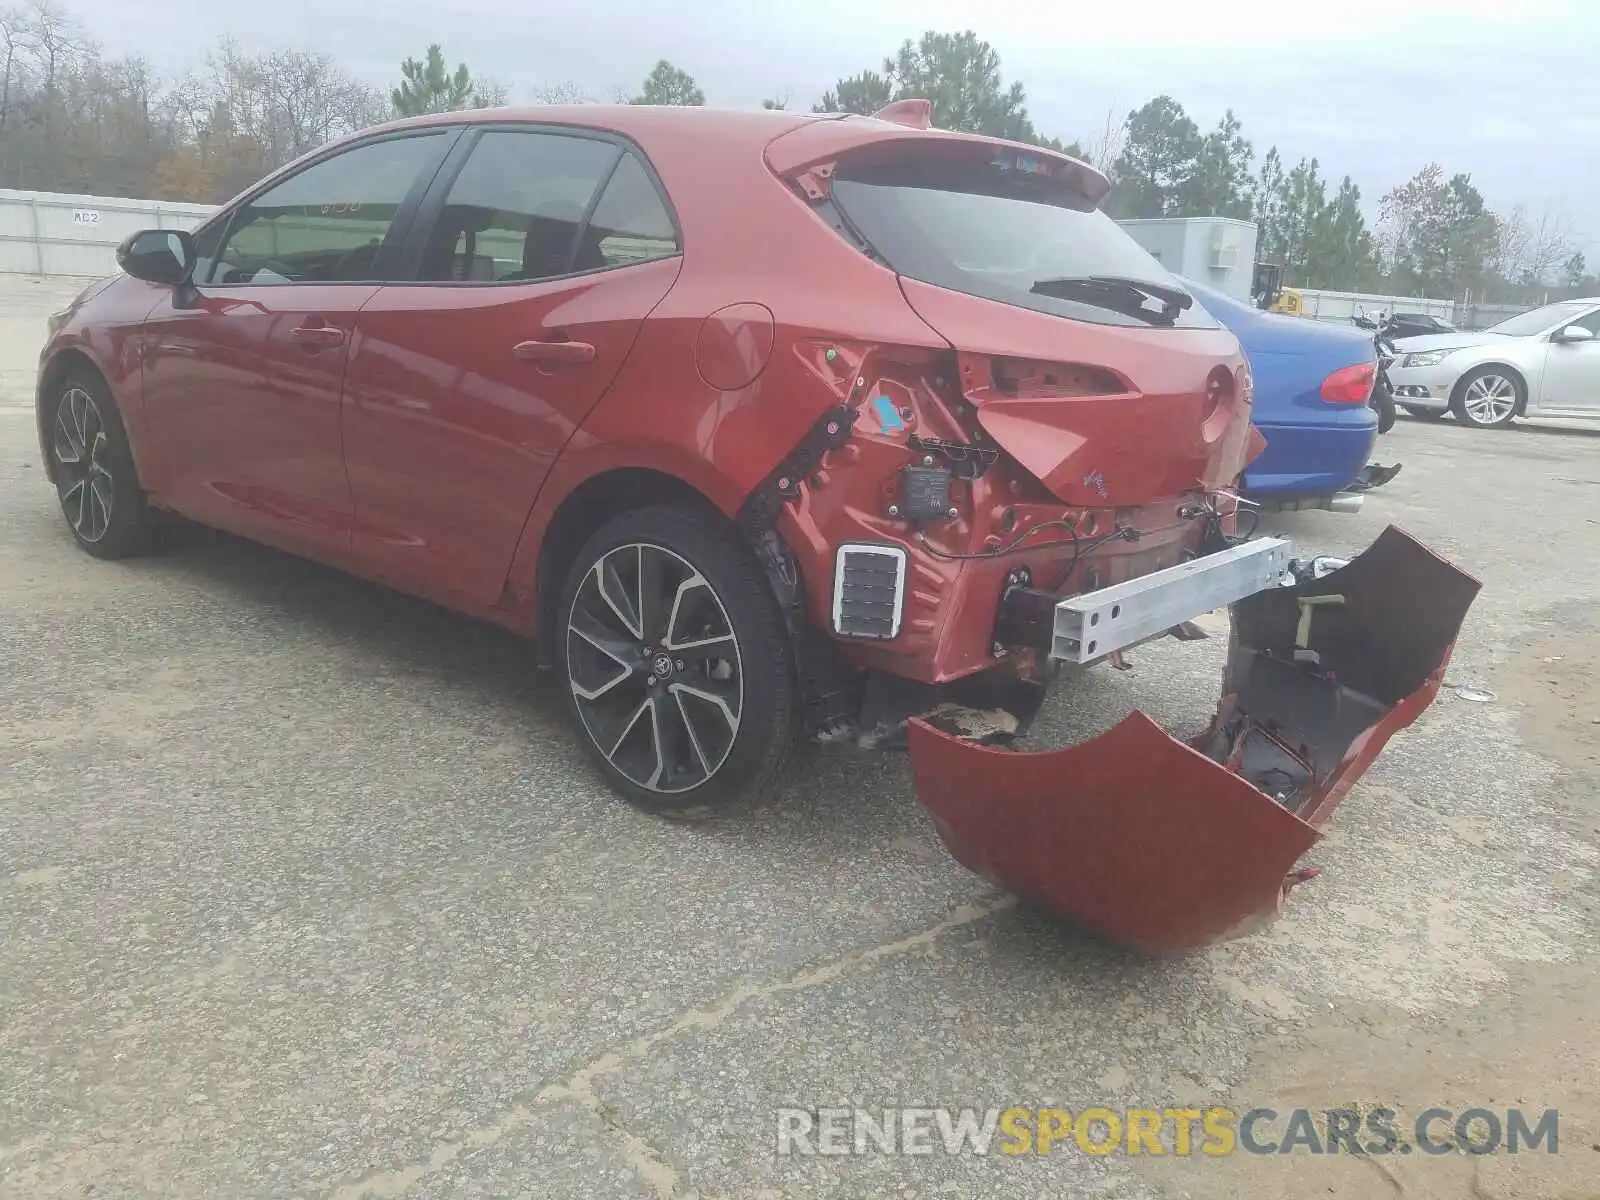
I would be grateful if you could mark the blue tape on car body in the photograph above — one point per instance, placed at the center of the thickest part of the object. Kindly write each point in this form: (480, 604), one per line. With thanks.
(888, 415)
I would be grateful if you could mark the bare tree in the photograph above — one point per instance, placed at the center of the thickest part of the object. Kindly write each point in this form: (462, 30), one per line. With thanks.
(55, 40)
(1512, 246)
(13, 49)
(491, 93)
(1548, 247)
(48, 87)
(1531, 253)
(1103, 148)
(311, 101)
(564, 92)
(287, 102)
(72, 120)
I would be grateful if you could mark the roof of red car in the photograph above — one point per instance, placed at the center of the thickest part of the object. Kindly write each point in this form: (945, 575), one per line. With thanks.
(642, 121)
(672, 128)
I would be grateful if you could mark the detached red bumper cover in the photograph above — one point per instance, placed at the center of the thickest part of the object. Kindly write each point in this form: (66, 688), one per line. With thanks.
(1171, 846)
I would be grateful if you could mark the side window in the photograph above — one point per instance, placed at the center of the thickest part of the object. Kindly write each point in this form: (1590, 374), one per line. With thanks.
(514, 211)
(206, 242)
(1591, 322)
(325, 224)
(630, 224)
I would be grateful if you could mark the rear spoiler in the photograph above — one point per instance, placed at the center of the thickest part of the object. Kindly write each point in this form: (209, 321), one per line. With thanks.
(808, 153)
(913, 114)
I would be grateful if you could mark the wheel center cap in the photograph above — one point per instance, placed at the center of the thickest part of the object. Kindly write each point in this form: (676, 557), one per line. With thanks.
(661, 666)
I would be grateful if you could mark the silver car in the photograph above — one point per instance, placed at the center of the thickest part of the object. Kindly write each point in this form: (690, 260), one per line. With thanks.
(1544, 363)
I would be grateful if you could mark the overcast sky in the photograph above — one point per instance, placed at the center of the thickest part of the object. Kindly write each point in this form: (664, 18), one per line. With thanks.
(1508, 90)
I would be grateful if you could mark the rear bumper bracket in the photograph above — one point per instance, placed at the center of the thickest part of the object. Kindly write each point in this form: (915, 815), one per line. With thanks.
(1090, 626)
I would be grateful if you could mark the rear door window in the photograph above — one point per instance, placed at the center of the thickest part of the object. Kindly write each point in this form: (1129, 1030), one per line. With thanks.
(523, 208)
(630, 224)
(994, 230)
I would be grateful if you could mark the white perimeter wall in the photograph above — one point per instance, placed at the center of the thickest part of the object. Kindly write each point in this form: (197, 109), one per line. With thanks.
(52, 234)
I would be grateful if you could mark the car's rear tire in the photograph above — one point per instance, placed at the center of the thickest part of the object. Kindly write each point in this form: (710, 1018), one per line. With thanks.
(1488, 397)
(1383, 404)
(677, 664)
(96, 481)
(1426, 414)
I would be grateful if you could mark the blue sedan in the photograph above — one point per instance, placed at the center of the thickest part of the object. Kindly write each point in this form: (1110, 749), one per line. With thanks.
(1312, 385)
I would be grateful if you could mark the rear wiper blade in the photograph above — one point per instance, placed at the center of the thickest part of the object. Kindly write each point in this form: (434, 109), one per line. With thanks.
(1175, 296)
(1127, 295)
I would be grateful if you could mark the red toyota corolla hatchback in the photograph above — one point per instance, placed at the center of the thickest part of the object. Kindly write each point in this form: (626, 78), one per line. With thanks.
(734, 411)
(765, 425)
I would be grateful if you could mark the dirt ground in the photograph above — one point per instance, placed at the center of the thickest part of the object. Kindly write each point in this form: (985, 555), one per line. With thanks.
(1533, 1041)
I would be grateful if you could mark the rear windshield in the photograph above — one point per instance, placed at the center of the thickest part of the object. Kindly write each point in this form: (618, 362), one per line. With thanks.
(1004, 234)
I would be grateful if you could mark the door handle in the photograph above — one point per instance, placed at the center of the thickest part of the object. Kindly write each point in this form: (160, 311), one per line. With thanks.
(317, 335)
(554, 352)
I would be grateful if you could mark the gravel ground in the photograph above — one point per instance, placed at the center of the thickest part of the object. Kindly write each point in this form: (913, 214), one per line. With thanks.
(305, 889)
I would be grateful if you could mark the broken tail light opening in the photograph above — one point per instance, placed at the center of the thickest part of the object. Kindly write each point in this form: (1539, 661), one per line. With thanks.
(1350, 385)
(1219, 387)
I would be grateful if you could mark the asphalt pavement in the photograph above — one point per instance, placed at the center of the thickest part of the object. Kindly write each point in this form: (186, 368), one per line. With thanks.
(305, 889)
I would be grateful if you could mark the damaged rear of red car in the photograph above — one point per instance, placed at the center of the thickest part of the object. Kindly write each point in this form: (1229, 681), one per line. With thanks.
(767, 425)
(1171, 845)
(1052, 490)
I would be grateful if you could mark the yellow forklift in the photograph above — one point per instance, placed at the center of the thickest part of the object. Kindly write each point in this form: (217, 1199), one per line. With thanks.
(1269, 294)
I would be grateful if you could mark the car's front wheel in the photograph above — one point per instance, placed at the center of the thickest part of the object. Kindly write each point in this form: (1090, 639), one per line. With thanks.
(92, 462)
(677, 662)
(1488, 397)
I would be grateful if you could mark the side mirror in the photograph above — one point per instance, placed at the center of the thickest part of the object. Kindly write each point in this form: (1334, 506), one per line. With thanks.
(1573, 333)
(158, 255)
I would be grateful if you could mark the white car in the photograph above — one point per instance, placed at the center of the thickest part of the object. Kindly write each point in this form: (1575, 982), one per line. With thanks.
(1543, 363)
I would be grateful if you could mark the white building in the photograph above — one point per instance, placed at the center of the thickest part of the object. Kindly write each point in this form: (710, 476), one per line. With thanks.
(1219, 252)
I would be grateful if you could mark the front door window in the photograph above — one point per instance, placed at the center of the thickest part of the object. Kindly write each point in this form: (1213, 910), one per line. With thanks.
(327, 223)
